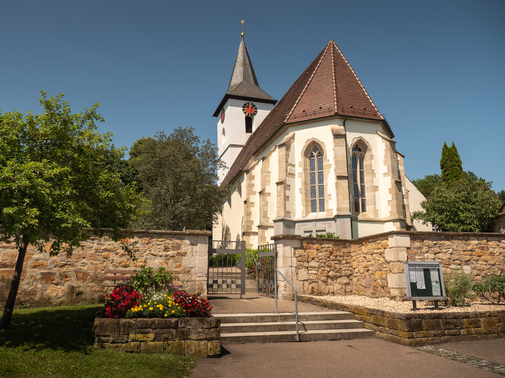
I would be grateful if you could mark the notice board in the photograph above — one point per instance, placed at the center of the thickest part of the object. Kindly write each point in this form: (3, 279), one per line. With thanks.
(424, 280)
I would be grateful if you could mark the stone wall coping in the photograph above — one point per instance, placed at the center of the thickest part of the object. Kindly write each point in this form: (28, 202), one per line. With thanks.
(166, 232)
(162, 232)
(383, 235)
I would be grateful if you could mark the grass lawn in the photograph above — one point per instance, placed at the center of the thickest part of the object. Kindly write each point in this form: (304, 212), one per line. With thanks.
(58, 342)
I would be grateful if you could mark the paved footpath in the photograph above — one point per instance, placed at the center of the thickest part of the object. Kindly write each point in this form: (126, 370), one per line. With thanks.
(347, 358)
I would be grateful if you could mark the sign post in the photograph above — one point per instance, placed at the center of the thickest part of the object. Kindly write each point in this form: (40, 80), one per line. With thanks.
(424, 281)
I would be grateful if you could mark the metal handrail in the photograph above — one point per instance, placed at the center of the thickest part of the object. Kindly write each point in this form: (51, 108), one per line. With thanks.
(250, 253)
(296, 300)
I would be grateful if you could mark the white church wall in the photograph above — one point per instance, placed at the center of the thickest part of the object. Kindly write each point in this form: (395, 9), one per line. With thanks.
(362, 228)
(415, 199)
(231, 132)
(384, 182)
(235, 120)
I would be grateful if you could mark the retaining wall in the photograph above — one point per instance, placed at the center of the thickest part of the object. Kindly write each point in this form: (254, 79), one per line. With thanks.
(373, 265)
(59, 280)
(416, 329)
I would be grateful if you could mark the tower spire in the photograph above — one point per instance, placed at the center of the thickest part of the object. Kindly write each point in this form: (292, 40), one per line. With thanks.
(243, 82)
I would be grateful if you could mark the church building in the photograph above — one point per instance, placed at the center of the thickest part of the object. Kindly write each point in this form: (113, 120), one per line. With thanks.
(321, 160)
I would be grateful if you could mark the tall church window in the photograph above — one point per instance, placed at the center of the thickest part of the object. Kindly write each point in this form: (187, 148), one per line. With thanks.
(248, 124)
(316, 180)
(358, 178)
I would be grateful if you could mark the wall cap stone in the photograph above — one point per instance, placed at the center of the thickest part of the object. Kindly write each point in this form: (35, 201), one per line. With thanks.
(388, 233)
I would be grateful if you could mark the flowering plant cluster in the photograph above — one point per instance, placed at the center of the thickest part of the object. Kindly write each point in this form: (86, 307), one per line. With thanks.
(152, 295)
(122, 298)
(193, 305)
(164, 308)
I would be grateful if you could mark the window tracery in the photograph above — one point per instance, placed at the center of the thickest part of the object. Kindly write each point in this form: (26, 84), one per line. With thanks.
(358, 179)
(316, 180)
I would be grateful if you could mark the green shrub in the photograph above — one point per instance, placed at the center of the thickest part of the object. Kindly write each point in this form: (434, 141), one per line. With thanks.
(250, 264)
(328, 235)
(458, 287)
(492, 289)
(227, 260)
(153, 285)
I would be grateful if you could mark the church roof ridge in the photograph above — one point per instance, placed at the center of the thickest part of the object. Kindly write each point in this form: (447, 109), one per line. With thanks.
(327, 87)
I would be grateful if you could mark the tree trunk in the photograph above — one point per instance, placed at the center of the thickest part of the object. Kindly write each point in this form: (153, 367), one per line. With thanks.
(11, 299)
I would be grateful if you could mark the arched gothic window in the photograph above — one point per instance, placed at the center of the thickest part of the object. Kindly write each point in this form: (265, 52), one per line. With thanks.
(316, 180)
(358, 179)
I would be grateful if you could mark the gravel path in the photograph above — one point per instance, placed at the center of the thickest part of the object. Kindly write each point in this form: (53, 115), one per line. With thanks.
(387, 304)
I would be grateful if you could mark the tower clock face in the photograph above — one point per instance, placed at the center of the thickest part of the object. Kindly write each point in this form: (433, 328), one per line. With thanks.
(249, 109)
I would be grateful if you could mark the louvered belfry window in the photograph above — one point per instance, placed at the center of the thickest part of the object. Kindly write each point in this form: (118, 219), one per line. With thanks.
(358, 178)
(316, 180)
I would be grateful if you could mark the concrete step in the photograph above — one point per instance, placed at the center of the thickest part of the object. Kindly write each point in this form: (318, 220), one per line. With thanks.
(289, 336)
(289, 326)
(273, 328)
(284, 317)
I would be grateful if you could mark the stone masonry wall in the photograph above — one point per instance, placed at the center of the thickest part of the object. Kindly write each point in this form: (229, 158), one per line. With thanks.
(59, 280)
(373, 266)
(417, 329)
(191, 337)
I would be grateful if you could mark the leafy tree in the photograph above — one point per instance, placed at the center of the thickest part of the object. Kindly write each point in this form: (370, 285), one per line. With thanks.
(179, 176)
(501, 196)
(427, 184)
(450, 163)
(463, 205)
(57, 178)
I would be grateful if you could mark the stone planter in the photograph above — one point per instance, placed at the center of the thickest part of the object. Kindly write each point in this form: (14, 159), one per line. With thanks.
(191, 337)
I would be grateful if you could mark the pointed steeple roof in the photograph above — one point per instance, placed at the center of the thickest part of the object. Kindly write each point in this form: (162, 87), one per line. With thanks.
(243, 82)
(328, 87)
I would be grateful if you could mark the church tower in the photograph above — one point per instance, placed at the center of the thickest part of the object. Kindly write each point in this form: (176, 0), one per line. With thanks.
(242, 109)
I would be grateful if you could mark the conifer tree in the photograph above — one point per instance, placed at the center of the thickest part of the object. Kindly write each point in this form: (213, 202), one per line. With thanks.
(450, 164)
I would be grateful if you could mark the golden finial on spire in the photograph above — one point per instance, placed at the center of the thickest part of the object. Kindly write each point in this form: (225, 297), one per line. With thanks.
(242, 28)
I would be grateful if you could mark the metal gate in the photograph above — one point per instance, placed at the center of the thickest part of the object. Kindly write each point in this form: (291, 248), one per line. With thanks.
(226, 270)
(265, 268)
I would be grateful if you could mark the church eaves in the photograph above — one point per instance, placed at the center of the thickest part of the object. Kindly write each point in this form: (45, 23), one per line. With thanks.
(243, 82)
(328, 87)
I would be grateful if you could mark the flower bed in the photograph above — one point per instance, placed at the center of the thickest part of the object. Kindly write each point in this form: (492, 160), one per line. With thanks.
(150, 315)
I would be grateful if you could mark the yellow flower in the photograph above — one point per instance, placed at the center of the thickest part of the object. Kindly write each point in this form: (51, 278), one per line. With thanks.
(166, 315)
(154, 302)
(150, 308)
(173, 311)
(164, 295)
(149, 304)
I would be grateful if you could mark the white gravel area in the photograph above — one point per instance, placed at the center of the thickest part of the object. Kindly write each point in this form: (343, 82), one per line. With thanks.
(390, 305)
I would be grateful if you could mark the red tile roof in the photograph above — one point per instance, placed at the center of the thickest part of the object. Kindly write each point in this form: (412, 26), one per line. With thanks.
(328, 87)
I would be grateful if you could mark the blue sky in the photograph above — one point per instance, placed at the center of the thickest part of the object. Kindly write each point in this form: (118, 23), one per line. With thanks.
(435, 69)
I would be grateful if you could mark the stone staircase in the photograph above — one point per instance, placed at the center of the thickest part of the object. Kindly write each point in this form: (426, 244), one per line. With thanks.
(274, 328)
